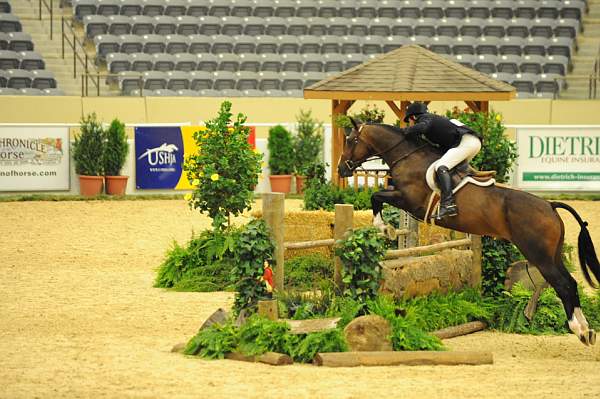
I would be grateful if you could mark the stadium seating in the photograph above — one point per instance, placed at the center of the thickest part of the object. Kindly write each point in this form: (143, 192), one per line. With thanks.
(22, 70)
(234, 40)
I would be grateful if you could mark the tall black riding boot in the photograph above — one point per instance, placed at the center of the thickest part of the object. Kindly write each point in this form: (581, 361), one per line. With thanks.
(447, 205)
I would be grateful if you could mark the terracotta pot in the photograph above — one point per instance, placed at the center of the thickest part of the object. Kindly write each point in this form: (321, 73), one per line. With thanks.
(281, 183)
(300, 184)
(90, 186)
(116, 185)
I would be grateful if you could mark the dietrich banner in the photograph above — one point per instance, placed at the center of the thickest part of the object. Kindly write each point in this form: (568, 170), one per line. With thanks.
(160, 152)
(562, 158)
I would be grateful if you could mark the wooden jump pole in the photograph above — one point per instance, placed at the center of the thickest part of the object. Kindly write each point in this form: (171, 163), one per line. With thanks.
(344, 214)
(273, 210)
(416, 358)
(398, 253)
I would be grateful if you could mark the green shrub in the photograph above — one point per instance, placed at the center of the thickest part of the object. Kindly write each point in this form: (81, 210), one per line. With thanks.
(308, 143)
(498, 151)
(259, 335)
(224, 170)
(116, 150)
(406, 334)
(213, 342)
(308, 271)
(203, 265)
(281, 151)
(88, 147)
(305, 347)
(370, 114)
(361, 253)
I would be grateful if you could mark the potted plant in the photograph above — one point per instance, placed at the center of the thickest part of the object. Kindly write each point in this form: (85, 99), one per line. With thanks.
(307, 146)
(281, 159)
(88, 151)
(115, 154)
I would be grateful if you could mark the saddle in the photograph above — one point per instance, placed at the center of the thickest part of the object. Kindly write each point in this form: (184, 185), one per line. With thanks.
(462, 174)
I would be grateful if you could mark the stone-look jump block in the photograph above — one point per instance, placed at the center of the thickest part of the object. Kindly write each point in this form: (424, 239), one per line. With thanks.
(451, 269)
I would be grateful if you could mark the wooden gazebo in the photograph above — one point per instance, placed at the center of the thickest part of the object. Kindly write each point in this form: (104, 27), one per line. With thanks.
(410, 73)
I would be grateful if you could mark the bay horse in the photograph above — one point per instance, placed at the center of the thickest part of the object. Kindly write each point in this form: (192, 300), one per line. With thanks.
(529, 222)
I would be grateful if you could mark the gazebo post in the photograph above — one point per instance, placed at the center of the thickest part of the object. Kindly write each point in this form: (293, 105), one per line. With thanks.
(337, 138)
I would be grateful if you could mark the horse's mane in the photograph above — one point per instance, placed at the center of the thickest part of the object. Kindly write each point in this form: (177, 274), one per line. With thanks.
(415, 139)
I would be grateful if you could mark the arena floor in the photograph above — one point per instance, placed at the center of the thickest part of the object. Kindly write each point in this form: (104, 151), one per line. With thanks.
(79, 318)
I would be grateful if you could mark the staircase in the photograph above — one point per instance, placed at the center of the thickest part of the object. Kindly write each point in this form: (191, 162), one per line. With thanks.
(583, 60)
(63, 69)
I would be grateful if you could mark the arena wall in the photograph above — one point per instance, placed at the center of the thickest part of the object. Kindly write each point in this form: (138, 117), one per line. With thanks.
(15, 109)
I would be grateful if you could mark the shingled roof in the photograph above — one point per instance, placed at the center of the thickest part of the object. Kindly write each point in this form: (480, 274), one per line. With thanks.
(411, 73)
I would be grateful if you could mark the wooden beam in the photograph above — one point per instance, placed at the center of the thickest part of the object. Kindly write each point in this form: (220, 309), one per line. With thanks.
(273, 210)
(272, 358)
(484, 106)
(474, 105)
(337, 138)
(312, 325)
(343, 106)
(398, 111)
(408, 358)
(411, 95)
(344, 221)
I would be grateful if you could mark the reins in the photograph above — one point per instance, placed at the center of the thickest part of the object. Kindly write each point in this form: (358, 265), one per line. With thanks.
(352, 165)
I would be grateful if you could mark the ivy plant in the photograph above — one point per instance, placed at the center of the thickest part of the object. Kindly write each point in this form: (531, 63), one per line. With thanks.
(224, 170)
(253, 247)
(361, 253)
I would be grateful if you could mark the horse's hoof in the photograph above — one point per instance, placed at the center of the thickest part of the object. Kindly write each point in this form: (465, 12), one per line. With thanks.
(591, 337)
(588, 337)
(390, 233)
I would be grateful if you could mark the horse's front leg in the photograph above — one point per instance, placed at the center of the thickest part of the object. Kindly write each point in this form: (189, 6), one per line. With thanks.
(379, 198)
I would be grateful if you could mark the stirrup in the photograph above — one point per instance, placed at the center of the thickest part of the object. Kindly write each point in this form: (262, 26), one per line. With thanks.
(447, 211)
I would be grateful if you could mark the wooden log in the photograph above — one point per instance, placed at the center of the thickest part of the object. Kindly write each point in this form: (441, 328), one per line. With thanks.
(309, 244)
(272, 358)
(398, 253)
(416, 358)
(462, 329)
(343, 222)
(312, 325)
(268, 309)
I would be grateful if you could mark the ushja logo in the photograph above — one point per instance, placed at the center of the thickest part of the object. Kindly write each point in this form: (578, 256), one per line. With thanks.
(163, 155)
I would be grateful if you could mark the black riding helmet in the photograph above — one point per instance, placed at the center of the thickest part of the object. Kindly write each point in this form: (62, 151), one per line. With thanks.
(415, 108)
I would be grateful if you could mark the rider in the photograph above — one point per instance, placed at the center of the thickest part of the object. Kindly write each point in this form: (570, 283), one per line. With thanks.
(458, 142)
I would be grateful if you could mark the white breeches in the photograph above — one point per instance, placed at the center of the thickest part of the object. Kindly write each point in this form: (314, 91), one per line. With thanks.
(467, 149)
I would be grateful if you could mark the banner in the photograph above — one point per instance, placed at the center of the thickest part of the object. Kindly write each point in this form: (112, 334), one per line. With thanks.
(160, 152)
(34, 158)
(561, 158)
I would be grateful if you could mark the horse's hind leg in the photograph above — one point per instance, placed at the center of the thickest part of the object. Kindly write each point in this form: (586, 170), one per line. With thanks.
(545, 253)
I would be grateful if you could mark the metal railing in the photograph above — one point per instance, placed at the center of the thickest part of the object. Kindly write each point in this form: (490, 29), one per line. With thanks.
(96, 77)
(70, 38)
(50, 9)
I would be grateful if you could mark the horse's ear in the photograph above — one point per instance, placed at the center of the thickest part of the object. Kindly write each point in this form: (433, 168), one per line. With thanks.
(353, 122)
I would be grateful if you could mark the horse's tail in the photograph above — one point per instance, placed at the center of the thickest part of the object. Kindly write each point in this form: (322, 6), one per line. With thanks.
(587, 254)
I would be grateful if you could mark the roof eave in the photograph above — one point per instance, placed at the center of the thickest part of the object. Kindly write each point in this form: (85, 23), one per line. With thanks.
(410, 95)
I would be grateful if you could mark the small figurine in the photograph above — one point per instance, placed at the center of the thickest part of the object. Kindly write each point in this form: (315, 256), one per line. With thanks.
(267, 276)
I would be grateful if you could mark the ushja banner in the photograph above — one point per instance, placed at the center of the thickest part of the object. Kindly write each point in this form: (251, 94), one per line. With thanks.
(559, 158)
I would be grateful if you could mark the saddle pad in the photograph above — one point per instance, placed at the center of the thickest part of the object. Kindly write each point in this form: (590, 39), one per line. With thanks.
(430, 178)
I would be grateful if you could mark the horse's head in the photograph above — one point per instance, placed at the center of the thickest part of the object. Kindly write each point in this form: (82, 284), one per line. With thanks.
(356, 150)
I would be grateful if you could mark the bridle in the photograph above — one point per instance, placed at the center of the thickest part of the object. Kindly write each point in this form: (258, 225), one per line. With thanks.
(352, 165)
